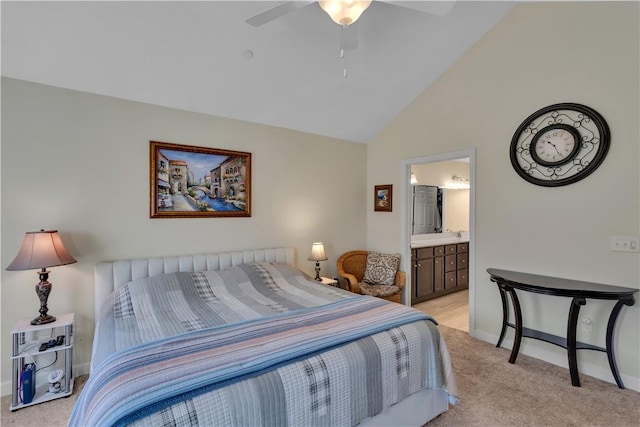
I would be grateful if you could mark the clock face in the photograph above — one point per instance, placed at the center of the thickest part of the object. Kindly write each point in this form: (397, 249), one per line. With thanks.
(559, 144)
(555, 145)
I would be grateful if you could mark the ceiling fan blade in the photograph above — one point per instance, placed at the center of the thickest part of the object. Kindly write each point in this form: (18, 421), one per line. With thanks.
(276, 12)
(439, 8)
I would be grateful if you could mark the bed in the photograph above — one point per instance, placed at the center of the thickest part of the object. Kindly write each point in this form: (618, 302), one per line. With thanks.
(245, 338)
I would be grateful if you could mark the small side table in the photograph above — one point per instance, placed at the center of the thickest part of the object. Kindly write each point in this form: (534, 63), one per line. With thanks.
(330, 282)
(26, 346)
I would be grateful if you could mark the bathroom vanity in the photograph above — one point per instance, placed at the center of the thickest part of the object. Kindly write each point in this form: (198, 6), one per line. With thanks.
(439, 265)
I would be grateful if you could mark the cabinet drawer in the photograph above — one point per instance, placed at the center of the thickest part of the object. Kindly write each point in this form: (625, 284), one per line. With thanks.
(450, 263)
(450, 249)
(463, 247)
(462, 278)
(438, 250)
(424, 253)
(450, 279)
(462, 261)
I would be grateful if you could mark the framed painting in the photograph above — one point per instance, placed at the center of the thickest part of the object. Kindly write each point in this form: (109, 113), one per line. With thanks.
(383, 198)
(196, 182)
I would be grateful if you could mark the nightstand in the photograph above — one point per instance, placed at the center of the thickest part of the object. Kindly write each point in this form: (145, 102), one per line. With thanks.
(27, 339)
(330, 282)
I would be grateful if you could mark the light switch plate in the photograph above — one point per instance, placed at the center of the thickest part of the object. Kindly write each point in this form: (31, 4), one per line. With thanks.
(624, 244)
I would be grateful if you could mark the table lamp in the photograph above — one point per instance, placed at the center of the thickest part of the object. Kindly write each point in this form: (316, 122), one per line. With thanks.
(317, 255)
(42, 249)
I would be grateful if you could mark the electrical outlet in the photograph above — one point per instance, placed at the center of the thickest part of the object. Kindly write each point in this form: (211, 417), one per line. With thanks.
(624, 244)
(587, 327)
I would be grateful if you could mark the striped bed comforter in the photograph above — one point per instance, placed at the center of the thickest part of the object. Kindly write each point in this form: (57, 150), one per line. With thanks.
(255, 344)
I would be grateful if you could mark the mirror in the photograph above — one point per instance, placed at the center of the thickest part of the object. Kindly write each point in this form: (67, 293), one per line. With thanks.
(427, 209)
(446, 185)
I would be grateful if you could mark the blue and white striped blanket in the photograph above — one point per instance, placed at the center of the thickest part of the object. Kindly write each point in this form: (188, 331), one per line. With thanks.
(188, 348)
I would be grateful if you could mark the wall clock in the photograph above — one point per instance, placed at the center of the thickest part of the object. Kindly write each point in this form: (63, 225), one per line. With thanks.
(559, 144)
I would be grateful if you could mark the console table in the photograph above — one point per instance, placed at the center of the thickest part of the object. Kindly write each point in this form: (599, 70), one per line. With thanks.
(509, 281)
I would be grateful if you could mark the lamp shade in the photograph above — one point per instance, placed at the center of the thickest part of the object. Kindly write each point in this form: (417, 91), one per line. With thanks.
(344, 12)
(41, 249)
(317, 252)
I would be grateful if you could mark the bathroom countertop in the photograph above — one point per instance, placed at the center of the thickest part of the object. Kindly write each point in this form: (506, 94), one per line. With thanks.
(423, 240)
(439, 242)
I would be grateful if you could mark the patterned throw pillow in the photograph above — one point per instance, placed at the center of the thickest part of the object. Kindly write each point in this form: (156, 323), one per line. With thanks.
(381, 268)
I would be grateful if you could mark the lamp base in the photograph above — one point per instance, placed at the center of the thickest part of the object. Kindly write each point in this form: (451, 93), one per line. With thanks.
(42, 320)
(42, 290)
(318, 278)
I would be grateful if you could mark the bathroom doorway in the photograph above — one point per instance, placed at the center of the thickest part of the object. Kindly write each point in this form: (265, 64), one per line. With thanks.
(453, 174)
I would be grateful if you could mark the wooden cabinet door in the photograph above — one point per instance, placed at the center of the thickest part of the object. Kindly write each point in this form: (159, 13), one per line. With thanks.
(424, 277)
(413, 273)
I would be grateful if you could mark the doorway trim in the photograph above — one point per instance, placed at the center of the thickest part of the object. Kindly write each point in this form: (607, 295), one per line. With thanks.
(406, 194)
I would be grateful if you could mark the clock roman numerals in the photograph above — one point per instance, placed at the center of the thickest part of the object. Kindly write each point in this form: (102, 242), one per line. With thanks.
(554, 146)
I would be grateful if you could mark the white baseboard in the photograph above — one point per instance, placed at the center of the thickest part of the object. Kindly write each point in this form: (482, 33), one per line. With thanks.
(78, 370)
(596, 371)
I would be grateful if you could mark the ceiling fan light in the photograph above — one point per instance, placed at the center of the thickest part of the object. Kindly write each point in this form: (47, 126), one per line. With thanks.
(344, 12)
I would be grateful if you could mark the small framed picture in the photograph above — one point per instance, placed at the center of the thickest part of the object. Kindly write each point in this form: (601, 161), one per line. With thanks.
(383, 198)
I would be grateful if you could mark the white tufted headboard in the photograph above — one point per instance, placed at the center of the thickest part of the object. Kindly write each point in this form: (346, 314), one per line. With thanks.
(111, 275)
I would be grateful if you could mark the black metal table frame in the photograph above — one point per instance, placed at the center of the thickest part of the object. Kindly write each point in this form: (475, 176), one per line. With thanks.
(509, 281)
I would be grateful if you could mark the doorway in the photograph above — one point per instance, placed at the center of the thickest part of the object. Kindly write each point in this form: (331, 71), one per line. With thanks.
(407, 225)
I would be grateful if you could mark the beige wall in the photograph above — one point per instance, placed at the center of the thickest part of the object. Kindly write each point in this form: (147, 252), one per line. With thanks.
(79, 163)
(540, 54)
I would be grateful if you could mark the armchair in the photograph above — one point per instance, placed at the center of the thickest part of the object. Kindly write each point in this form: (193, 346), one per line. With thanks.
(351, 267)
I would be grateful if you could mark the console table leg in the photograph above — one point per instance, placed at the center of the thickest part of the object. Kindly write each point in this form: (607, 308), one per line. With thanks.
(610, 328)
(505, 314)
(518, 319)
(571, 339)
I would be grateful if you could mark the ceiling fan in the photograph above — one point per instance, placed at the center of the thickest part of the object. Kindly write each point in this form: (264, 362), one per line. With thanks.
(346, 12)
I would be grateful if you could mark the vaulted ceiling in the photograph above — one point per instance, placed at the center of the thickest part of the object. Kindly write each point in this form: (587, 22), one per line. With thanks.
(202, 56)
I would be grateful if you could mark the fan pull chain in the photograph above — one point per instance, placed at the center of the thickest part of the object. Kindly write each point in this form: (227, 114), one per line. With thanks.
(343, 54)
(343, 49)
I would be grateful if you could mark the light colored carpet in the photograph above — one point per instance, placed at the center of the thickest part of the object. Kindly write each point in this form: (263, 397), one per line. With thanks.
(530, 392)
(492, 391)
(53, 413)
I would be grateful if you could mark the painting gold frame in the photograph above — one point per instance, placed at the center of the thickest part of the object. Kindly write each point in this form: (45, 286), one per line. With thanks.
(194, 182)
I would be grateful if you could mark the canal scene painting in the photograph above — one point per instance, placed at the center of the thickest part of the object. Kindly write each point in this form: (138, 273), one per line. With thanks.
(189, 181)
